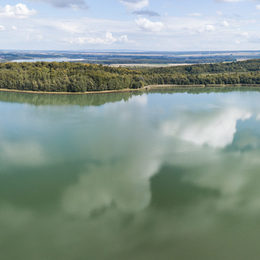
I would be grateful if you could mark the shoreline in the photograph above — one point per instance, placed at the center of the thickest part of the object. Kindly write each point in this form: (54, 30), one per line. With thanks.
(144, 89)
(69, 93)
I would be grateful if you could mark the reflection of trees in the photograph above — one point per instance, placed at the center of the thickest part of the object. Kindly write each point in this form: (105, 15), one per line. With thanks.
(200, 89)
(80, 100)
(101, 99)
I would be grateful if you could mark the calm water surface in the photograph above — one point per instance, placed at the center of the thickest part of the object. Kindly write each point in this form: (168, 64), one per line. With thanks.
(123, 176)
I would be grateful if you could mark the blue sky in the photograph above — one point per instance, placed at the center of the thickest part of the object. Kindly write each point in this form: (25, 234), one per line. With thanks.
(149, 25)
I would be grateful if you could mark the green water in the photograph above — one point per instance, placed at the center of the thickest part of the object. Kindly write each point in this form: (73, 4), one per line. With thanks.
(127, 176)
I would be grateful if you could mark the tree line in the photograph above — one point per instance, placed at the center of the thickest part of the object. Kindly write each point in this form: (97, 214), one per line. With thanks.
(78, 77)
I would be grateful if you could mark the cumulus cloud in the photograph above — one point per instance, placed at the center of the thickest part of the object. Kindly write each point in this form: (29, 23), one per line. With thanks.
(148, 25)
(65, 3)
(203, 31)
(135, 4)
(2, 28)
(107, 40)
(16, 11)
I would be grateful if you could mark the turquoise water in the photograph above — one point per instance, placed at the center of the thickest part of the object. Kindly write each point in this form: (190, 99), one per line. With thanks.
(127, 176)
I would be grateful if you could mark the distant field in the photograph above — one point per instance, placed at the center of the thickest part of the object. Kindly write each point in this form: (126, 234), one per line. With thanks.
(129, 59)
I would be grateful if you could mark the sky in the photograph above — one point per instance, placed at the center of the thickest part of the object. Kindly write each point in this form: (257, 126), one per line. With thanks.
(138, 25)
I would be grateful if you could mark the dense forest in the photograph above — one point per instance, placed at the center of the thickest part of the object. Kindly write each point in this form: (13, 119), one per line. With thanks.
(78, 77)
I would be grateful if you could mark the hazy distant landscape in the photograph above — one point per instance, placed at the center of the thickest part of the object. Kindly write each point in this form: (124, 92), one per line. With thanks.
(129, 58)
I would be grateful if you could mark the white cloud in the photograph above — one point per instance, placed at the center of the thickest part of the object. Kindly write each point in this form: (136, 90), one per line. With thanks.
(195, 14)
(244, 34)
(75, 4)
(209, 28)
(187, 32)
(123, 38)
(135, 4)
(201, 27)
(67, 26)
(148, 25)
(107, 40)
(258, 7)
(2, 28)
(16, 11)
(225, 23)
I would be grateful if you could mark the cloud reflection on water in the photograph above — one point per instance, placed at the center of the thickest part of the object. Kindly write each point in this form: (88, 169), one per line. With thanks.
(213, 128)
(149, 184)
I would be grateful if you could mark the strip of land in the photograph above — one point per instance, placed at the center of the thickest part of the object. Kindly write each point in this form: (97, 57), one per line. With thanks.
(71, 93)
(75, 78)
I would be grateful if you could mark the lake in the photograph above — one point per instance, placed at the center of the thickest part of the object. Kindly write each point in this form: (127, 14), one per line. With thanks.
(159, 175)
